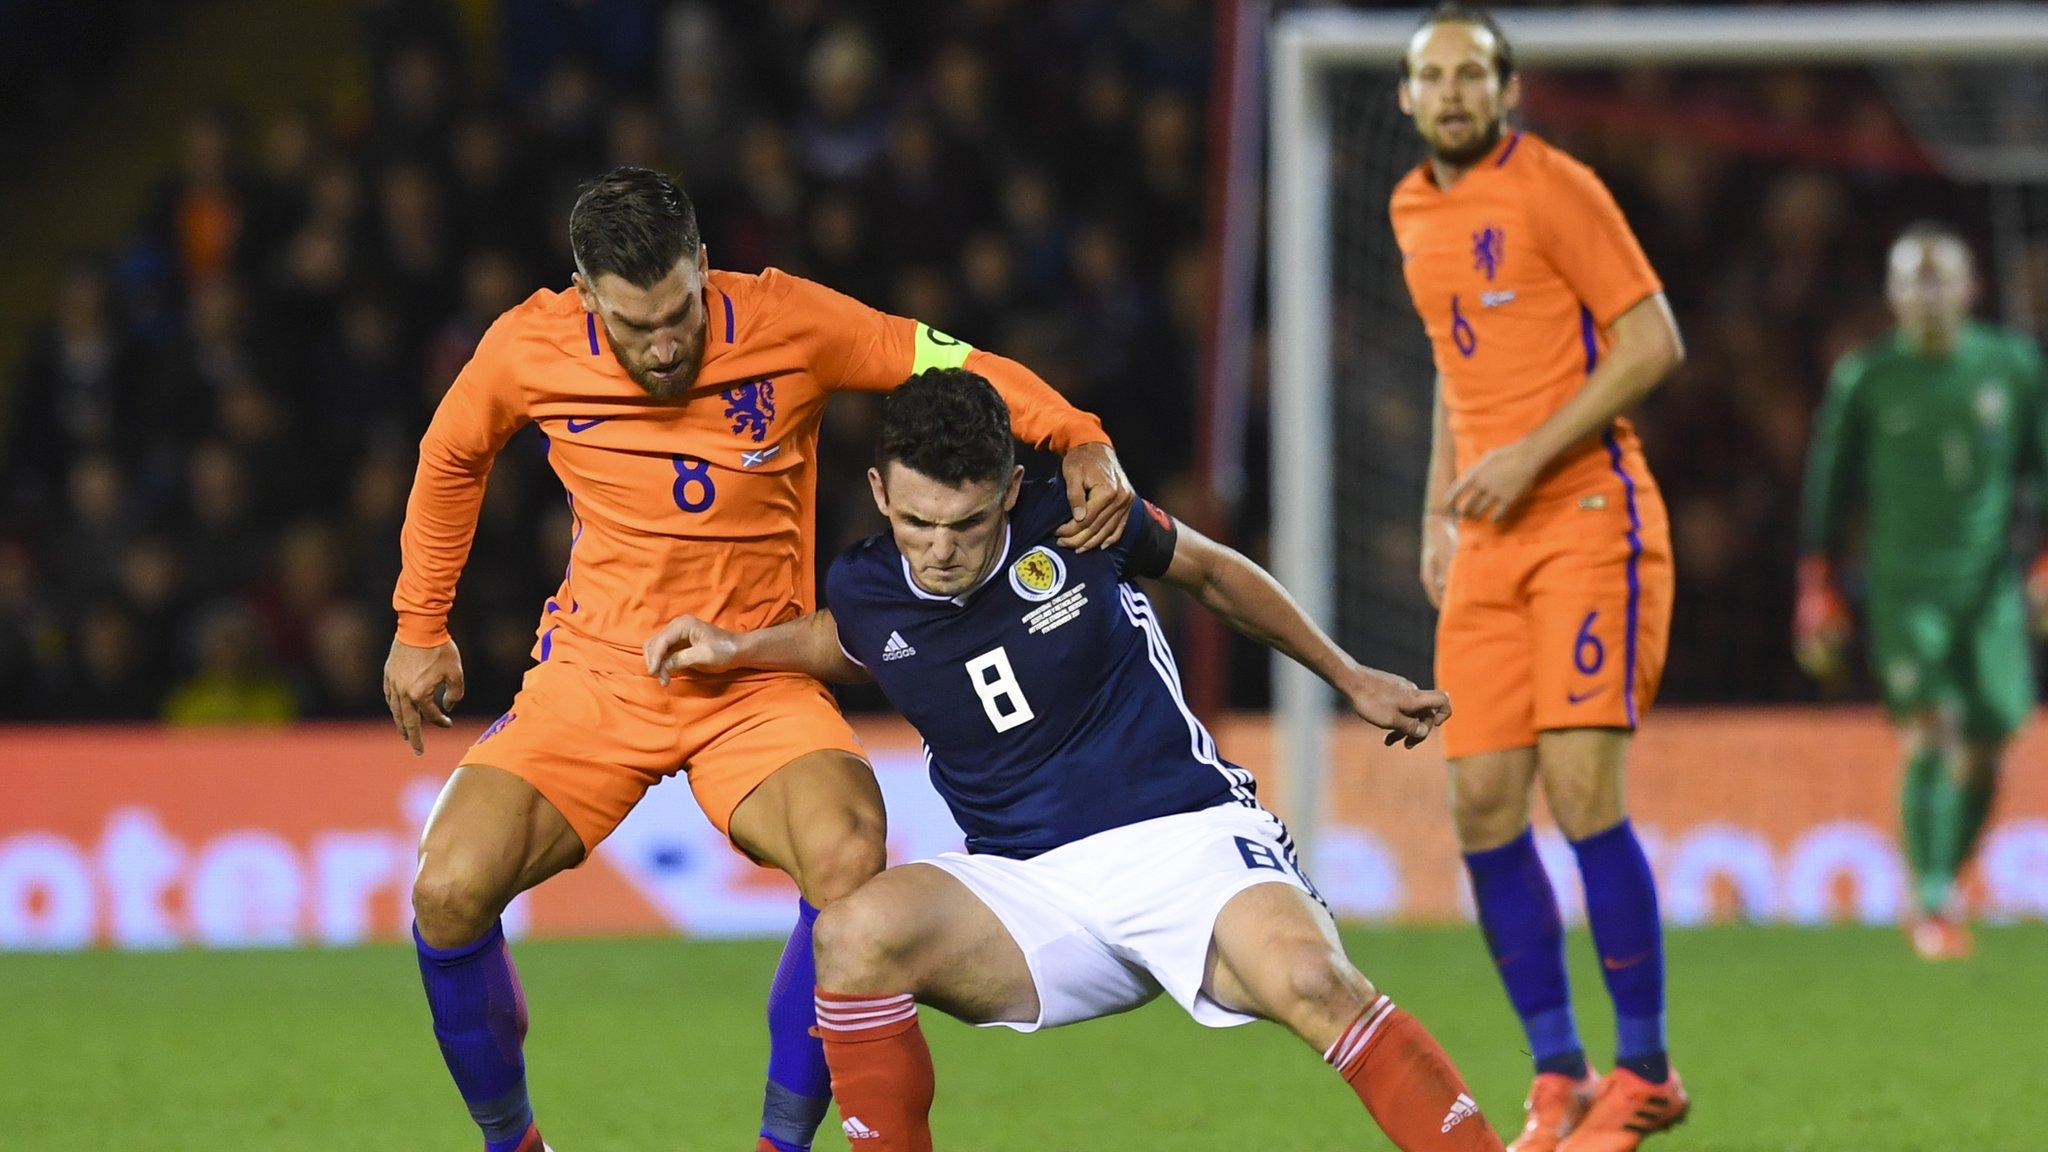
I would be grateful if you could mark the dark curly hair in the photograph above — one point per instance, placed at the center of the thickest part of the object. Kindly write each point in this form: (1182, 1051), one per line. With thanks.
(948, 424)
(634, 223)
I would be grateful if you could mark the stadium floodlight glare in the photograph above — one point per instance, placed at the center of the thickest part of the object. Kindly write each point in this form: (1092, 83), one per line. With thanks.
(1311, 50)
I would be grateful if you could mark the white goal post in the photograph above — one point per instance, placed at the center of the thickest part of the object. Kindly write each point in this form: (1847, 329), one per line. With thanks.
(1308, 47)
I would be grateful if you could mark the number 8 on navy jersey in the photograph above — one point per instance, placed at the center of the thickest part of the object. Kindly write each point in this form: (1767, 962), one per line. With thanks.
(996, 684)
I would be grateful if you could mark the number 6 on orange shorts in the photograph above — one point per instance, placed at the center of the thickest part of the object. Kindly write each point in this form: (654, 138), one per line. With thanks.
(1567, 630)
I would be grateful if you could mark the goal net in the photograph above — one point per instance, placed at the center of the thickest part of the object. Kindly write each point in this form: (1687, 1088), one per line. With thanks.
(1766, 157)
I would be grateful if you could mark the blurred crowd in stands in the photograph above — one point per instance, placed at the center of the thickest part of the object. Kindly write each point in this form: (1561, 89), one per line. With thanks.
(210, 442)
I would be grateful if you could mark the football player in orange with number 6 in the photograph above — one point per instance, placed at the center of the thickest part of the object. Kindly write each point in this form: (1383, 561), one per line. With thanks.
(1545, 547)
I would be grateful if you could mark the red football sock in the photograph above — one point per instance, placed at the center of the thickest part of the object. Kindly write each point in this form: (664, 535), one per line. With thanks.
(1408, 1084)
(881, 1070)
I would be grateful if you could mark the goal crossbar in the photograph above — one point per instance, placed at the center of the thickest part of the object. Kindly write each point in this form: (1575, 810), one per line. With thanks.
(1602, 37)
(1306, 47)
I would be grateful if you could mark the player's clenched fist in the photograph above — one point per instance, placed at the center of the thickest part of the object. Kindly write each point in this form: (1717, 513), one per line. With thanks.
(414, 683)
(687, 643)
(1387, 701)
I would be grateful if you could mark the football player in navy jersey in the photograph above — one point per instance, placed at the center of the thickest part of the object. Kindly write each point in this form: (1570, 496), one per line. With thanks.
(1112, 854)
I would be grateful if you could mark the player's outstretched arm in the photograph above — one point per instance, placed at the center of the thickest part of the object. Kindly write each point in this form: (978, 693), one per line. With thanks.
(1248, 599)
(1643, 348)
(807, 644)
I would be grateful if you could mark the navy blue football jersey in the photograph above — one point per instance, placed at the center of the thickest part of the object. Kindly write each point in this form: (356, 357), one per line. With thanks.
(1047, 697)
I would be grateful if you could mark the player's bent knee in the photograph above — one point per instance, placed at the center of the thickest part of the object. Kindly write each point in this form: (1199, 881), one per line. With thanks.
(1328, 982)
(1319, 989)
(837, 869)
(1489, 802)
(1488, 817)
(863, 946)
(1585, 808)
(837, 848)
(453, 903)
(1582, 815)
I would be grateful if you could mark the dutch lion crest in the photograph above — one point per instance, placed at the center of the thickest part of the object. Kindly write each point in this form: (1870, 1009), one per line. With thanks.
(1487, 249)
(751, 408)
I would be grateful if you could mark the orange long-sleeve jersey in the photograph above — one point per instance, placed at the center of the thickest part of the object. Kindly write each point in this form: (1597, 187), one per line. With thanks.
(703, 506)
(1517, 271)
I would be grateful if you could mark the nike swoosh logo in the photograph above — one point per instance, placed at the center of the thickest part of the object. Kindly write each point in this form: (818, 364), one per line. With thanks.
(1613, 965)
(1582, 697)
(575, 425)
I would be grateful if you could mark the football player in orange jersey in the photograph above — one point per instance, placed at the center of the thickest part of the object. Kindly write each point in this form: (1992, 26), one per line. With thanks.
(681, 407)
(1546, 549)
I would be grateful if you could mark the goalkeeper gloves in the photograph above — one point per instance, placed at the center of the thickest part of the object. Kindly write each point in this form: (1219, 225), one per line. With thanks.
(1820, 626)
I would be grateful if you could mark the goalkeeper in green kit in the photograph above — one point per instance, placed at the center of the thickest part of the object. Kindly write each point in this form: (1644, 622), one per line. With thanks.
(1930, 430)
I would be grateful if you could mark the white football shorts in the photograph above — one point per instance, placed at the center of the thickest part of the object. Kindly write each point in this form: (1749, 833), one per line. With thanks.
(1109, 921)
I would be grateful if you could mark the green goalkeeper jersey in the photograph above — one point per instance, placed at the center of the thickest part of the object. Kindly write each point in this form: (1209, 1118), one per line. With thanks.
(1933, 448)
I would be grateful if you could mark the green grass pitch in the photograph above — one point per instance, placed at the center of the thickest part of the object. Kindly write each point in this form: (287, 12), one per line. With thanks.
(1789, 1040)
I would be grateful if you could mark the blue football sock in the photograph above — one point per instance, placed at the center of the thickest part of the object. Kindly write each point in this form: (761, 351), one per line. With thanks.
(480, 1020)
(799, 1083)
(1518, 913)
(1621, 907)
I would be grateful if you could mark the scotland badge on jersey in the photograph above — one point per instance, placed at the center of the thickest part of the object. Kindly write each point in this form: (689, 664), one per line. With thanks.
(1038, 574)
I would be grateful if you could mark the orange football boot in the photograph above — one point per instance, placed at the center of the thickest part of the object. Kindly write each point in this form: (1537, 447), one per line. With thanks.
(531, 1142)
(1938, 938)
(1627, 1109)
(1556, 1104)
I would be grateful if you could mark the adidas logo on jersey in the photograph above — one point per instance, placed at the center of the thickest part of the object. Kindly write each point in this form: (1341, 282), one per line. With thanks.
(897, 647)
(855, 1130)
(1463, 1108)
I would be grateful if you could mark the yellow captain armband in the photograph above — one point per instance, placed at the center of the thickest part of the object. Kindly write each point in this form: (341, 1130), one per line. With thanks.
(935, 349)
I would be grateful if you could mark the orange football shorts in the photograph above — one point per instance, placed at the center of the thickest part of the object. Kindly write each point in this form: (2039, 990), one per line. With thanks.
(1563, 630)
(593, 741)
